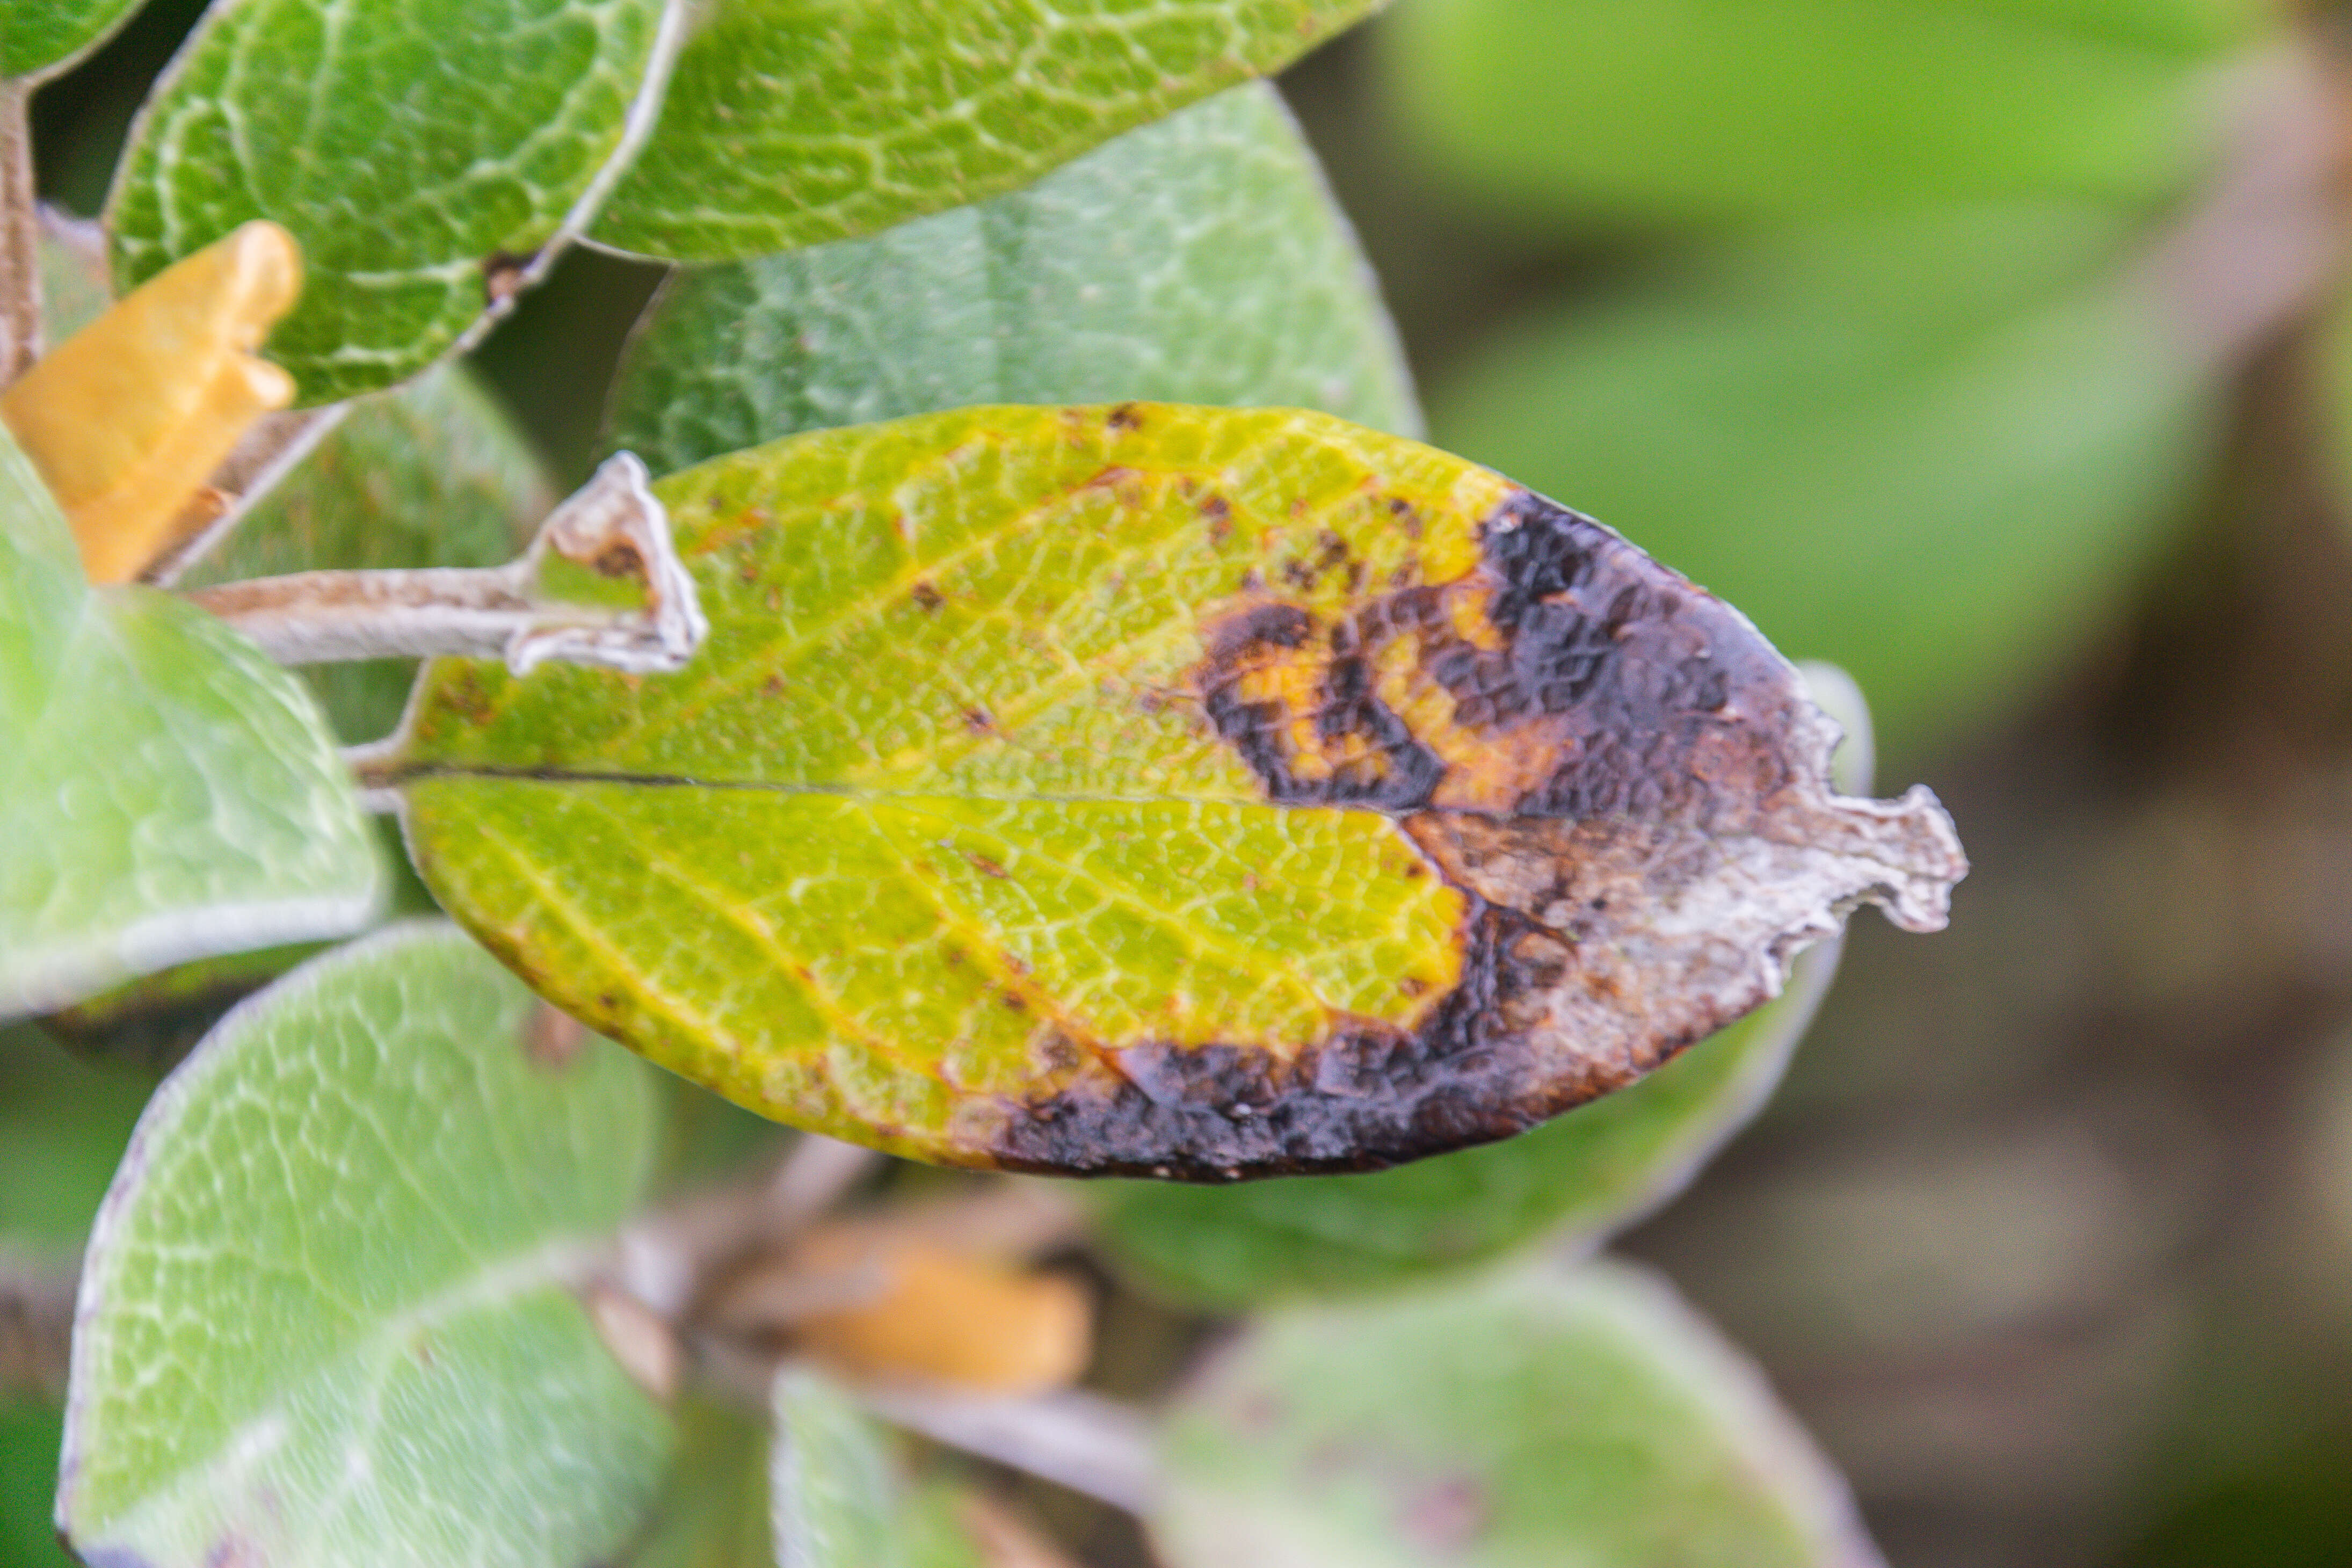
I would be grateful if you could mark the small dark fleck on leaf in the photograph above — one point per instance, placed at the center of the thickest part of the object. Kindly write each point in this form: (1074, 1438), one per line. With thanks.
(1125, 417)
(927, 597)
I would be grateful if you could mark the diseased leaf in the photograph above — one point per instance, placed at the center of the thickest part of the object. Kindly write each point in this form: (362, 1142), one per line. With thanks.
(1155, 790)
(169, 792)
(792, 122)
(434, 474)
(327, 1315)
(838, 1498)
(41, 38)
(1571, 1182)
(1933, 450)
(1543, 1415)
(1683, 109)
(1199, 259)
(422, 152)
(1567, 1184)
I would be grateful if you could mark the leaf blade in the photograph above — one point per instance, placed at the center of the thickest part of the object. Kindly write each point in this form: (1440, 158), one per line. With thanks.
(1256, 294)
(794, 122)
(303, 1175)
(1103, 859)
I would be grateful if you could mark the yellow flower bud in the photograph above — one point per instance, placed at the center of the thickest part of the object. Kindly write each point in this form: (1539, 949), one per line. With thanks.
(130, 416)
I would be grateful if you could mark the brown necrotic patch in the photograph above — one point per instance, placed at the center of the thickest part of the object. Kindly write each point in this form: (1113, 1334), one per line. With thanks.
(1627, 781)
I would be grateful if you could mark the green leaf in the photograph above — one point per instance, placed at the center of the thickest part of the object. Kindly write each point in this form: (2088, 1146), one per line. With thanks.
(1544, 1416)
(792, 122)
(1683, 109)
(154, 1021)
(327, 1316)
(42, 37)
(840, 1500)
(1199, 259)
(1572, 1183)
(423, 151)
(168, 793)
(1933, 451)
(1153, 789)
(434, 474)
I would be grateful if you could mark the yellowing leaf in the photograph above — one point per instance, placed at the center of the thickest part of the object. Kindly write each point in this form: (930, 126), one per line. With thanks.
(135, 411)
(1158, 790)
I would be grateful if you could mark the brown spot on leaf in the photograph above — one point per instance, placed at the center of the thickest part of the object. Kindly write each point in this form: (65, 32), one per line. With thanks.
(502, 276)
(1126, 416)
(927, 597)
(979, 721)
(987, 868)
(1628, 783)
(552, 1038)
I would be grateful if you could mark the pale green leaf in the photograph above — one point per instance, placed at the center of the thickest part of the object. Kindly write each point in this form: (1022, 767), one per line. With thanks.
(168, 793)
(433, 474)
(1934, 451)
(1546, 1415)
(328, 1313)
(792, 122)
(840, 1499)
(1153, 789)
(420, 150)
(41, 38)
(1199, 259)
(1682, 110)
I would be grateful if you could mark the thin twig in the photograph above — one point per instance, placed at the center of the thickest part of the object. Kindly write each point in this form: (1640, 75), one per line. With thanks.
(1077, 1439)
(614, 528)
(20, 256)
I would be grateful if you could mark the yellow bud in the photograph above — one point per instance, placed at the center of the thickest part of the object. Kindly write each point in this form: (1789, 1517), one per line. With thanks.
(130, 416)
(944, 1317)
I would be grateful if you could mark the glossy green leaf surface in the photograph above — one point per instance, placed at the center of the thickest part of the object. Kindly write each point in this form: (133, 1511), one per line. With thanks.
(839, 1497)
(1199, 259)
(328, 1313)
(1932, 451)
(38, 37)
(792, 122)
(433, 474)
(420, 153)
(1106, 789)
(1569, 1183)
(170, 794)
(1547, 1414)
(1681, 109)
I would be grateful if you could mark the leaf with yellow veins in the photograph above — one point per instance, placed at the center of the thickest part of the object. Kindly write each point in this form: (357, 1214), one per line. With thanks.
(130, 416)
(1155, 789)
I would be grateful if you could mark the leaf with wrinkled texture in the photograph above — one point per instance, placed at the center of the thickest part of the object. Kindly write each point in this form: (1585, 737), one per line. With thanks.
(434, 474)
(794, 123)
(419, 150)
(838, 1498)
(327, 1315)
(41, 38)
(1216, 793)
(1698, 110)
(1197, 260)
(169, 792)
(1542, 1415)
(1934, 451)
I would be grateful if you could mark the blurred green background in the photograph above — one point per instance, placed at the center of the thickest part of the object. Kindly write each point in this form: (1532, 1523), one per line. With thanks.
(1993, 349)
